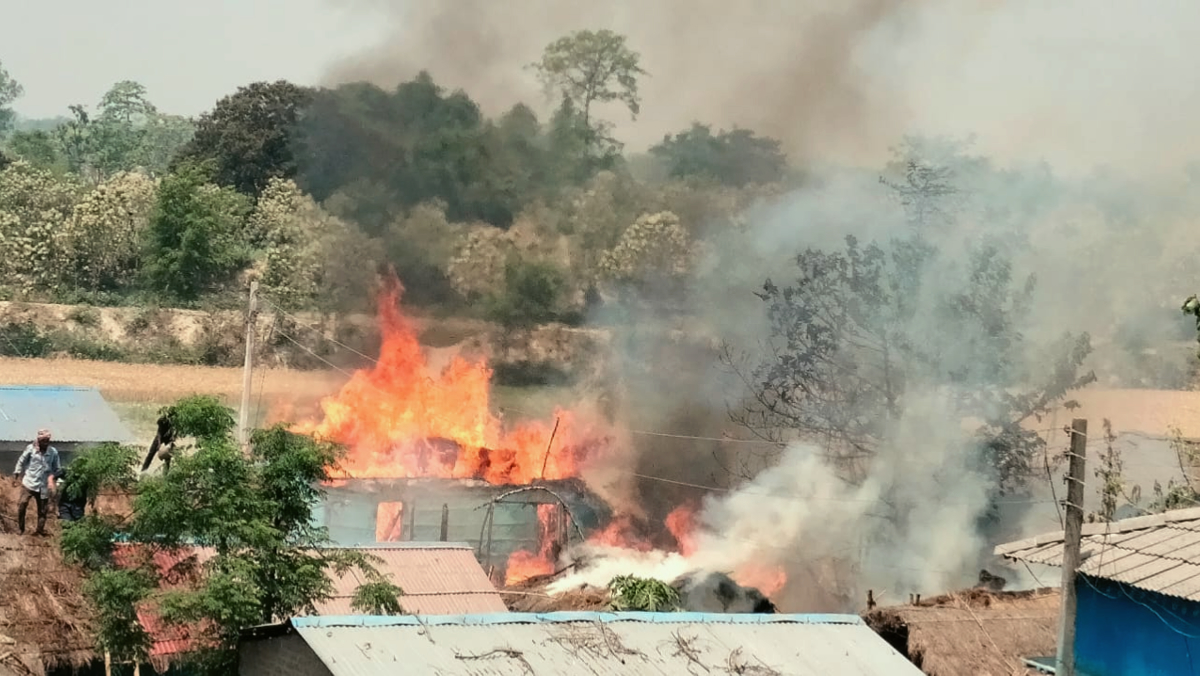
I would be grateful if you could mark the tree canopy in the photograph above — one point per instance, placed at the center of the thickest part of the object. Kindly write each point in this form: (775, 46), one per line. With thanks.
(254, 511)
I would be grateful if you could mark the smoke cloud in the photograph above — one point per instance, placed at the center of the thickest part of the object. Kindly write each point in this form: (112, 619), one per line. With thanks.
(1050, 90)
(1071, 82)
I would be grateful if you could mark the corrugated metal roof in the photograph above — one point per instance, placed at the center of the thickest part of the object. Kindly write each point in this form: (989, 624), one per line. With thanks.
(70, 413)
(603, 643)
(437, 579)
(1158, 553)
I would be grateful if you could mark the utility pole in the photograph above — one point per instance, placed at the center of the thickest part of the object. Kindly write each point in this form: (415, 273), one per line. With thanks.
(1072, 537)
(247, 369)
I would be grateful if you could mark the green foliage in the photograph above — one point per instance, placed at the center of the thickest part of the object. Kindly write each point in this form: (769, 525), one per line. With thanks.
(590, 67)
(736, 158)
(630, 593)
(254, 510)
(115, 594)
(201, 416)
(10, 91)
(104, 237)
(374, 154)
(531, 295)
(24, 339)
(378, 597)
(249, 136)
(192, 244)
(103, 467)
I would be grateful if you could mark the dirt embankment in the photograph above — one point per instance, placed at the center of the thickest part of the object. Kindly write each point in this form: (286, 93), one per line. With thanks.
(302, 341)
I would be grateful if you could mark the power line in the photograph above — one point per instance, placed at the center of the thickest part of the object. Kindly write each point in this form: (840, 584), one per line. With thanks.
(299, 323)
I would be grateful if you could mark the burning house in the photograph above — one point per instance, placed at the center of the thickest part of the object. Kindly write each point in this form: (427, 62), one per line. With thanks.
(517, 531)
(428, 459)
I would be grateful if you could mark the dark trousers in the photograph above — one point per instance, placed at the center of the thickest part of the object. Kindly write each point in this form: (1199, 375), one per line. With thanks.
(26, 494)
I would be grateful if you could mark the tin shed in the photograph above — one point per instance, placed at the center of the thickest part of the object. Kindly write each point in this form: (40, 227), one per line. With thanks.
(78, 417)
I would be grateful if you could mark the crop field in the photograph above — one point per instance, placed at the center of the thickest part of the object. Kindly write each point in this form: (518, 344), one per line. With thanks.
(137, 391)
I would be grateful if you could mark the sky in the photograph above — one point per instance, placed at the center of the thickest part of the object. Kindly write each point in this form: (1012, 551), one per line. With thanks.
(1078, 83)
(187, 54)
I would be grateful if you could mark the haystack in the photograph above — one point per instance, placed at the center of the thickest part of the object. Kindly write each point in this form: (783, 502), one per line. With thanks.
(972, 632)
(45, 622)
(530, 596)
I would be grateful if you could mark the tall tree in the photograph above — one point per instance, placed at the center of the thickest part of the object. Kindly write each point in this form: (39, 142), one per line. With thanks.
(193, 242)
(10, 91)
(587, 68)
(249, 135)
(590, 67)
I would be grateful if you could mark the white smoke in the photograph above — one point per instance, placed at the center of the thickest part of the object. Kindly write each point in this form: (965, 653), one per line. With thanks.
(920, 497)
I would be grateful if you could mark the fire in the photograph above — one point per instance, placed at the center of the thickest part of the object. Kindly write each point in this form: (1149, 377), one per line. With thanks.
(523, 564)
(399, 419)
(767, 578)
(682, 524)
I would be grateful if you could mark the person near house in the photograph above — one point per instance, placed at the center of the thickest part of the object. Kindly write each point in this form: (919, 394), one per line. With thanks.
(36, 470)
(71, 503)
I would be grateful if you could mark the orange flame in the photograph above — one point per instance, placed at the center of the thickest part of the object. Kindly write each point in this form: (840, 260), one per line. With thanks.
(682, 524)
(399, 419)
(523, 564)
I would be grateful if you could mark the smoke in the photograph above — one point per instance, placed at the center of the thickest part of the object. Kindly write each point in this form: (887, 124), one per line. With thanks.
(922, 497)
(1051, 91)
(782, 68)
(1071, 82)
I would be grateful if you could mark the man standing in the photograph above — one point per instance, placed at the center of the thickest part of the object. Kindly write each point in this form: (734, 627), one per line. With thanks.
(36, 468)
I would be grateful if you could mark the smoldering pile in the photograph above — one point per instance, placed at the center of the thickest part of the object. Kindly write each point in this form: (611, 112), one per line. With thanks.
(699, 592)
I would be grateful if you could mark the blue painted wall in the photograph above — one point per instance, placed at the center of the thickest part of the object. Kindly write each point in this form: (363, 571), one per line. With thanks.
(1123, 631)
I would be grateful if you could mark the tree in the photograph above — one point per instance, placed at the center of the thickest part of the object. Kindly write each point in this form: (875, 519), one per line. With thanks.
(103, 242)
(864, 331)
(35, 205)
(531, 295)
(250, 135)
(254, 511)
(735, 158)
(590, 67)
(652, 257)
(386, 152)
(10, 91)
(120, 124)
(38, 147)
(193, 242)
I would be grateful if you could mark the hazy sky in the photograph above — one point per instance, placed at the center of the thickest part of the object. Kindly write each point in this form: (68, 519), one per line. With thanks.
(188, 54)
(1076, 82)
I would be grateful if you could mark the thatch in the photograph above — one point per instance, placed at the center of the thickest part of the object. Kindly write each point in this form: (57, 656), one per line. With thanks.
(972, 632)
(45, 622)
(530, 596)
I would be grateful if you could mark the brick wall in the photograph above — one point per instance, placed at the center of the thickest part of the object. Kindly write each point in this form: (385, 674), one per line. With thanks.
(279, 656)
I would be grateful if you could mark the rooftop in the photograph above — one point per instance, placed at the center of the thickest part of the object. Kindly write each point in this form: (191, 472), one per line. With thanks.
(592, 643)
(72, 414)
(1158, 553)
(437, 578)
(973, 631)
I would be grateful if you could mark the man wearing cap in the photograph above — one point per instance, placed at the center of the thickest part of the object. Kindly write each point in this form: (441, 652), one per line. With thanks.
(36, 469)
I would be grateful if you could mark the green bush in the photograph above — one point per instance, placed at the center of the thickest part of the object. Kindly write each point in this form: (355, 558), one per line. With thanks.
(24, 339)
(532, 295)
(84, 316)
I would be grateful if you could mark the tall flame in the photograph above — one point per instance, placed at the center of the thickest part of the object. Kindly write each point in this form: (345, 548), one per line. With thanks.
(399, 419)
